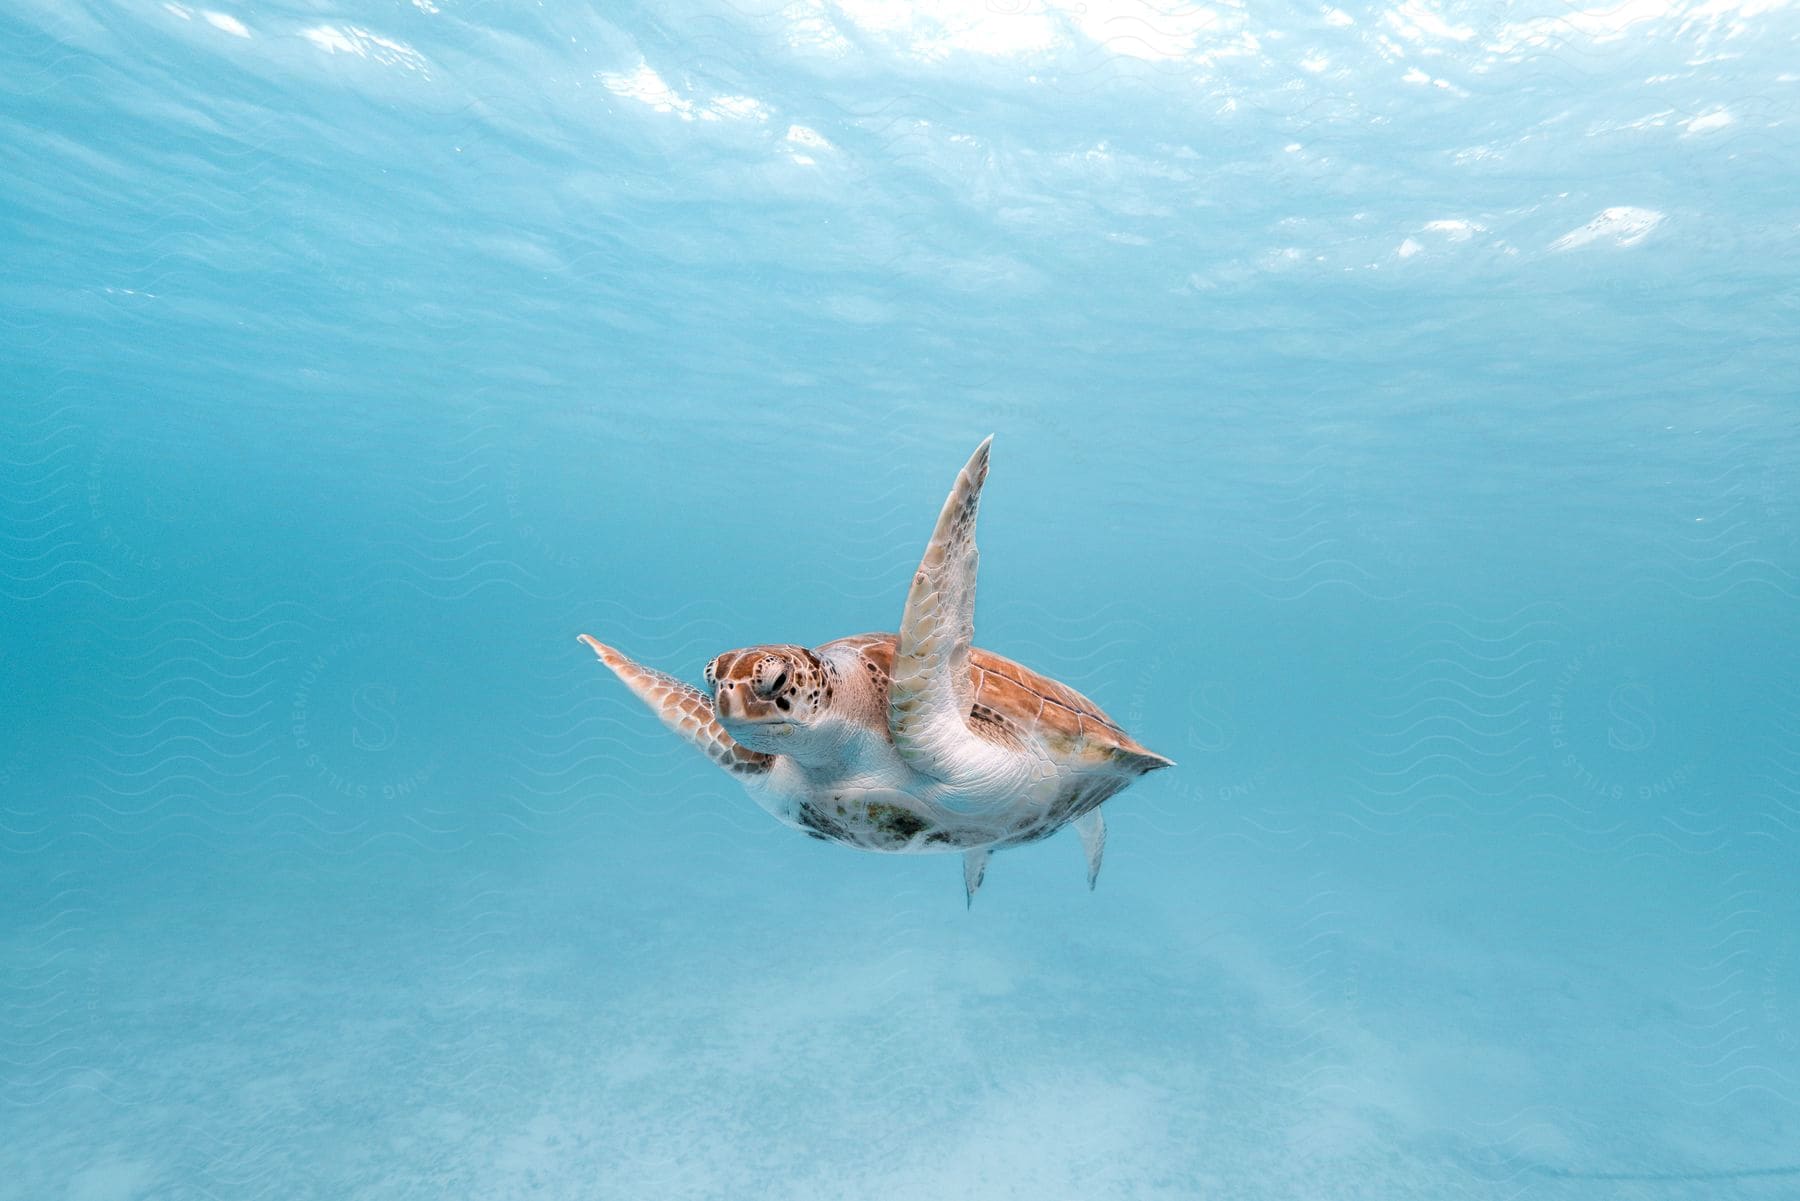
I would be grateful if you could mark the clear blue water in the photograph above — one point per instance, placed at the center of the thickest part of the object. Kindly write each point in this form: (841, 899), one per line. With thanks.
(1396, 424)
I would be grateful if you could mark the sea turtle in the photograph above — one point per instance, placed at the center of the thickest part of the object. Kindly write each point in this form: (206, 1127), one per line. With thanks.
(908, 742)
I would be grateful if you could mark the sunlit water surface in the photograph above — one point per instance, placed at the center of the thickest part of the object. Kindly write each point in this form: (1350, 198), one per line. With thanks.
(1395, 416)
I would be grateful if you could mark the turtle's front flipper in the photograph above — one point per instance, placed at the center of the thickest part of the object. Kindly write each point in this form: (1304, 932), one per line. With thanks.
(685, 710)
(931, 694)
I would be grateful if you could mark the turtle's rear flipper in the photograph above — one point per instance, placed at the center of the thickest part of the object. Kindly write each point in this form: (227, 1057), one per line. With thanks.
(1092, 828)
(974, 868)
(685, 710)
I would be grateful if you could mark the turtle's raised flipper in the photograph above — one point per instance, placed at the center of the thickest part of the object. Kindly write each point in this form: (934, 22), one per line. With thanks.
(931, 693)
(974, 868)
(685, 710)
(1092, 828)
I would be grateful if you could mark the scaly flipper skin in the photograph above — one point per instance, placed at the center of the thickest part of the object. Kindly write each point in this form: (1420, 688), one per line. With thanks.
(931, 694)
(684, 709)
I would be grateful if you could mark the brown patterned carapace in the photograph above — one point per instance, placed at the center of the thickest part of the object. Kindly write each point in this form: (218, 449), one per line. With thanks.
(1013, 702)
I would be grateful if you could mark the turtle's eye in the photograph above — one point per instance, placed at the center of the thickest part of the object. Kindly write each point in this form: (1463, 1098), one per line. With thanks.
(775, 683)
(709, 675)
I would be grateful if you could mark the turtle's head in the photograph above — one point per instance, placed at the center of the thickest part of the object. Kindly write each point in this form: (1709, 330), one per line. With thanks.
(769, 698)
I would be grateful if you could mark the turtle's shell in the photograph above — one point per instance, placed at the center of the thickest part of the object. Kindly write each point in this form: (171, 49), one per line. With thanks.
(1013, 703)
